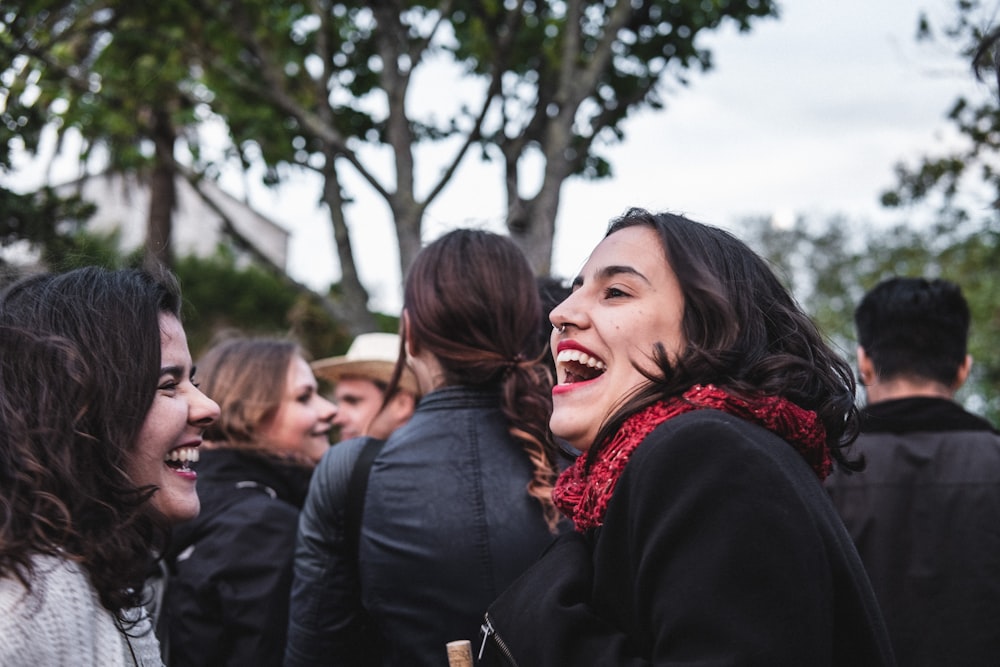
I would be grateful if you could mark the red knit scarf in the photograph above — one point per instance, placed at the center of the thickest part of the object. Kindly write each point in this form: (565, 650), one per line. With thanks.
(582, 492)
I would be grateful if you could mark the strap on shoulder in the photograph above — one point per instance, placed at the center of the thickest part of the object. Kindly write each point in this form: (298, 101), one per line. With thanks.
(356, 488)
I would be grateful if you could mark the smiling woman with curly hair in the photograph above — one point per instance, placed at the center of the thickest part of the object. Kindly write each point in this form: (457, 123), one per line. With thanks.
(99, 419)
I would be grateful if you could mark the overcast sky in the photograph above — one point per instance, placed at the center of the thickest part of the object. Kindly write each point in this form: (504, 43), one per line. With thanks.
(804, 115)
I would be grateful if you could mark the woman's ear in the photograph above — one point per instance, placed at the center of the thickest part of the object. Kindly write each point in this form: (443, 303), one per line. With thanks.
(404, 325)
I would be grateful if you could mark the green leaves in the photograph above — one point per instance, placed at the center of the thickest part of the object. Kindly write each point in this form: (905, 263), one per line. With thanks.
(962, 181)
(829, 265)
(328, 86)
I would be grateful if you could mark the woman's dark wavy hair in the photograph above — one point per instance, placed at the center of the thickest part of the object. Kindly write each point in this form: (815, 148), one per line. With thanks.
(743, 332)
(79, 366)
(470, 299)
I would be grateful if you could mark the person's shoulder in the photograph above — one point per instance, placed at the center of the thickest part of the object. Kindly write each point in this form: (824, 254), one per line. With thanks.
(339, 460)
(53, 576)
(60, 589)
(710, 443)
(61, 622)
(247, 531)
(254, 502)
(958, 456)
(704, 432)
(332, 476)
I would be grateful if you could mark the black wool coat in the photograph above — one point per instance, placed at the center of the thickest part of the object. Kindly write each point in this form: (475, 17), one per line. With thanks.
(719, 547)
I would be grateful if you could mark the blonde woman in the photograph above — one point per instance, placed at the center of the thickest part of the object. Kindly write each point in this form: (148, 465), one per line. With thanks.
(227, 597)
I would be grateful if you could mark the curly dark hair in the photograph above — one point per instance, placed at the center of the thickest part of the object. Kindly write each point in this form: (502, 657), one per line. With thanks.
(744, 332)
(472, 302)
(79, 365)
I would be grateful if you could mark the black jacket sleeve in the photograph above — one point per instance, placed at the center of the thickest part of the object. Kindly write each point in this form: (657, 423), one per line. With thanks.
(327, 624)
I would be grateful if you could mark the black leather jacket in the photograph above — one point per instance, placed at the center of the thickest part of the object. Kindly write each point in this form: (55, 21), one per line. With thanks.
(447, 525)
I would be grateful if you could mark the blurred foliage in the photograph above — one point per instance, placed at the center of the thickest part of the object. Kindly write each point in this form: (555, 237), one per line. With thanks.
(96, 67)
(830, 265)
(40, 219)
(221, 295)
(960, 182)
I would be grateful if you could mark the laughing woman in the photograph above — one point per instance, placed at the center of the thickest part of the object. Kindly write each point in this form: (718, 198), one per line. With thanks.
(708, 409)
(99, 417)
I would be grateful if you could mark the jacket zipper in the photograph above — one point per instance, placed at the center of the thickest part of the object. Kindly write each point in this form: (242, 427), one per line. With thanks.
(489, 631)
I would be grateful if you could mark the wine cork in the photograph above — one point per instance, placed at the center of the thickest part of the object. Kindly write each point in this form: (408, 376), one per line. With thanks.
(460, 653)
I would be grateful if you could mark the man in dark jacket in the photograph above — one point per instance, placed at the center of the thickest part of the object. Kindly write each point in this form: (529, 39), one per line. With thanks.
(925, 513)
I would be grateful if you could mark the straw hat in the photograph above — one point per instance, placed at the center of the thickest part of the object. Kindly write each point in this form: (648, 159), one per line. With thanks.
(371, 356)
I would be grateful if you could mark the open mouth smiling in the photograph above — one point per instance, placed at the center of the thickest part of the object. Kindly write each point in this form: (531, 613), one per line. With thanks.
(180, 459)
(579, 366)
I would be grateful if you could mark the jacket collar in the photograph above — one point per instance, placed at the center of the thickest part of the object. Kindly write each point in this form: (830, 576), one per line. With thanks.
(908, 415)
(449, 398)
(227, 465)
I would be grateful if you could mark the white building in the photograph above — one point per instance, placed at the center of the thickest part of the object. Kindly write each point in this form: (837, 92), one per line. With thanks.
(122, 202)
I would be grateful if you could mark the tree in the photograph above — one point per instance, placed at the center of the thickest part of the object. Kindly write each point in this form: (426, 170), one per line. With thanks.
(830, 265)
(330, 84)
(572, 73)
(962, 183)
(324, 86)
(122, 75)
(92, 67)
(41, 220)
(961, 187)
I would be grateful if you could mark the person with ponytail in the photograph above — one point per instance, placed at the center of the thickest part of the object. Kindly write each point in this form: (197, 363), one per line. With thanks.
(458, 500)
(708, 409)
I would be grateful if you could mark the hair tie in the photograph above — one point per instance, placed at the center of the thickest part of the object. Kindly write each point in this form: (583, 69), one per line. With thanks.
(510, 364)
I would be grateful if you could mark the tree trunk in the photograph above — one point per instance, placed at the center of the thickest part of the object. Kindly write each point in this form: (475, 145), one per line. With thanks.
(532, 222)
(408, 224)
(536, 229)
(162, 193)
(352, 300)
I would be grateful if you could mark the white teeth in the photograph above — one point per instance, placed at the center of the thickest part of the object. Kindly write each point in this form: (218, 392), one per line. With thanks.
(183, 455)
(581, 358)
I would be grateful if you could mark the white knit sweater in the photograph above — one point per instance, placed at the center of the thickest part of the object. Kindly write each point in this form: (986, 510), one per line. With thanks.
(63, 623)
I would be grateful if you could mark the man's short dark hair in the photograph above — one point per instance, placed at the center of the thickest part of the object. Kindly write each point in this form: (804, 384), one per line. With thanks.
(914, 327)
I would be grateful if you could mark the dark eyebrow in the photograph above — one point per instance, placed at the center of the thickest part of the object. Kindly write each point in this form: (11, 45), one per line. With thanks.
(609, 272)
(176, 371)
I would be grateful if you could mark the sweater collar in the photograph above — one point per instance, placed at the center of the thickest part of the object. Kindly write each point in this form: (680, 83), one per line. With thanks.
(921, 413)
